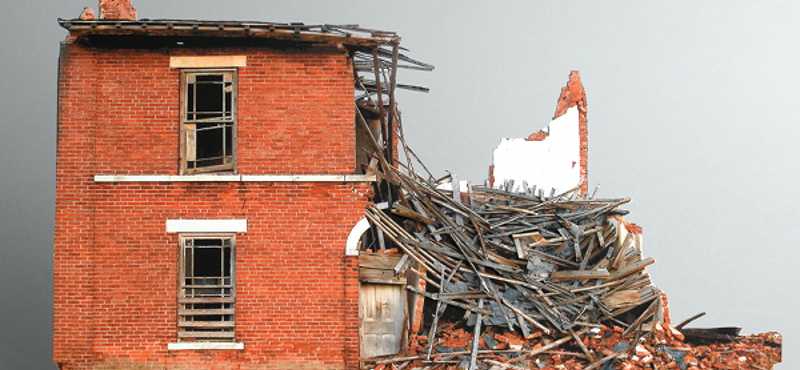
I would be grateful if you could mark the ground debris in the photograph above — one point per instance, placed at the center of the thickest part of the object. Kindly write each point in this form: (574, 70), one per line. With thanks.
(536, 282)
(604, 348)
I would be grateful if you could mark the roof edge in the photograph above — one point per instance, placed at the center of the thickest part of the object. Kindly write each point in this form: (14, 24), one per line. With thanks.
(327, 33)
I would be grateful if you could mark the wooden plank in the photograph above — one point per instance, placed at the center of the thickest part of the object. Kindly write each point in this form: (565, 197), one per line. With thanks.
(378, 261)
(545, 242)
(520, 251)
(631, 268)
(554, 259)
(206, 334)
(421, 211)
(440, 307)
(456, 187)
(579, 275)
(687, 321)
(650, 311)
(206, 300)
(379, 276)
(206, 324)
(712, 334)
(227, 311)
(583, 346)
(392, 101)
(589, 251)
(476, 337)
(462, 295)
(402, 265)
(527, 318)
(385, 134)
(620, 253)
(207, 286)
(622, 298)
(406, 212)
(374, 215)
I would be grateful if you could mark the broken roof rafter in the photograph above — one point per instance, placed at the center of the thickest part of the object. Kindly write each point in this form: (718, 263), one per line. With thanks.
(385, 56)
(370, 86)
(379, 63)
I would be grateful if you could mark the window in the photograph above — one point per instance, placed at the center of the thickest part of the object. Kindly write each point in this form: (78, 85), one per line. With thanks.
(208, 121)
(207, 293)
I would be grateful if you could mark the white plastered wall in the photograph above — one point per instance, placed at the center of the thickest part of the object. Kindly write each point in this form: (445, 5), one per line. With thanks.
(550, 163)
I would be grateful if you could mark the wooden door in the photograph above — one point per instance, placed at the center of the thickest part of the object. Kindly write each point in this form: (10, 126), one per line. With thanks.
(381, 311)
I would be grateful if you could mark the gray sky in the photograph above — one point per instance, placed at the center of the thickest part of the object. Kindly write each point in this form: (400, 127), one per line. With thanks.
(690, 114)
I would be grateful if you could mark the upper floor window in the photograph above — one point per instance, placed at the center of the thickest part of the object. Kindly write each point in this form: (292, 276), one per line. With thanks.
(208, 121)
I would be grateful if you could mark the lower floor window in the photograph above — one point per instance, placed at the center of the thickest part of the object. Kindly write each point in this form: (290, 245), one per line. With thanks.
(207, 294)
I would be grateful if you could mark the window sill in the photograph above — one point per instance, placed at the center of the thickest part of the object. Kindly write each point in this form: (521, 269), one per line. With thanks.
(204, 345)
(235, 178)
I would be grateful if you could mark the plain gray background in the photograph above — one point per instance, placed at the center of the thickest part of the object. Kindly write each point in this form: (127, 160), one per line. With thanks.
(692, 113)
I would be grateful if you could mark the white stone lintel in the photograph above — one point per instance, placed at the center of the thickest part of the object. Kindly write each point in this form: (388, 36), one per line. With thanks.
(308, 178)
(210, 61)
(207, 226)
(235, 178)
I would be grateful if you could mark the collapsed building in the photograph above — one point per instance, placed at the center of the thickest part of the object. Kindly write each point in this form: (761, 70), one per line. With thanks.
(230, 196)
(532, 271)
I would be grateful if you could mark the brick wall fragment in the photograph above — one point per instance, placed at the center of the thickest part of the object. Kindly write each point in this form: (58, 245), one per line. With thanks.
(117, 10)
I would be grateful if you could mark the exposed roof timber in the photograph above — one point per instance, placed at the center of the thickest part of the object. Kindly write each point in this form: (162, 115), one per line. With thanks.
(346, 34)
(356, 28)
(367, 66)
(370, 86)
(385, 57)
(388, 55)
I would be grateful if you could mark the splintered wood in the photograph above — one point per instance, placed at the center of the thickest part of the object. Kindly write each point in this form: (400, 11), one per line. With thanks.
(515, 280)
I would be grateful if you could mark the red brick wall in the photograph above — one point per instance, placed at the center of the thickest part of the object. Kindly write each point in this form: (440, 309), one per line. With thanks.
(574, 95)
(115, 264)
(73, 290)
(295, 112)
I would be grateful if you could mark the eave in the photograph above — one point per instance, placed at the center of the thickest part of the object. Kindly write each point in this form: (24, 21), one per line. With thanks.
(348, 35)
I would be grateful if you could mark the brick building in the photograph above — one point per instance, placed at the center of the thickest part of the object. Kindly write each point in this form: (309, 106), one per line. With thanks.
(208, 177)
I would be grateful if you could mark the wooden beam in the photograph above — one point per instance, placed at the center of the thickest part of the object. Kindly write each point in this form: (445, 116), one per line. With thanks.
(579, 275)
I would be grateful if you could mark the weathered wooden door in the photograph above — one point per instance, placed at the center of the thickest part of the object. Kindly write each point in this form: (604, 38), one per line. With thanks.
(381, 311)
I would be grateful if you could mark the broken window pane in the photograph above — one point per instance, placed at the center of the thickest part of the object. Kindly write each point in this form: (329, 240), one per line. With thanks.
(209, 125)
(209, 97)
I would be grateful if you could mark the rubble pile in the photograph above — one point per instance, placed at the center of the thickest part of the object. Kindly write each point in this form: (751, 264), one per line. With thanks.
(514, 279)
(607, 349)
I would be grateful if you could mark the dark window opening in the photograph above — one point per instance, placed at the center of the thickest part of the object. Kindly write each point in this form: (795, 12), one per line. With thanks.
(207, 291)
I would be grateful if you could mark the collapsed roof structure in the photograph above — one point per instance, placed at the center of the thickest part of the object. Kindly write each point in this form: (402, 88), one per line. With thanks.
(528, 274)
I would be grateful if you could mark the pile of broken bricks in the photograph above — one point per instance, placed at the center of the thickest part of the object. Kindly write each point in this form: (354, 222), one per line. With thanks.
(597, 348)
(514, 279)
